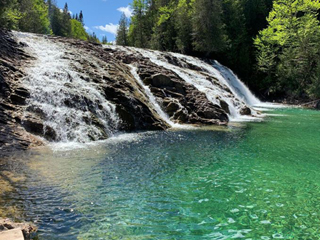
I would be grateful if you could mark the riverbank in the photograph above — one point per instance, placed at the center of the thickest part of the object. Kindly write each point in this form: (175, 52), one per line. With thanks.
(10, 230)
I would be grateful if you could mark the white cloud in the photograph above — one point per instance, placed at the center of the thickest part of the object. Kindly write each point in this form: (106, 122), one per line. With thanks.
(87, 29)
(126, 10)
(110, 28)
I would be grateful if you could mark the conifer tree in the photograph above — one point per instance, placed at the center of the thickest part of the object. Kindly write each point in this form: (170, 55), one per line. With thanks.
(104, 40)
(208, 28)
(81, 17)
(66, 24)
(138, 30)
(183, 26)
(93, 38)
(122, 32)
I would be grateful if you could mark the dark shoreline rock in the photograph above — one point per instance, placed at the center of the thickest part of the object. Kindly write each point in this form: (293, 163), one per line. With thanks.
(27, 228)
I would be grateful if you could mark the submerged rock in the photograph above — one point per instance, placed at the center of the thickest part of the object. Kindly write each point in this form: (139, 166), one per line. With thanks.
(245, 111)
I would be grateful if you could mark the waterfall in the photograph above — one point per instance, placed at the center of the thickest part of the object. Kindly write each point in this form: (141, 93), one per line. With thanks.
(147, 91)
(152, 99)
(69, 90)
(215, 91)
(201, 79)
(73, 107)
(236, 85)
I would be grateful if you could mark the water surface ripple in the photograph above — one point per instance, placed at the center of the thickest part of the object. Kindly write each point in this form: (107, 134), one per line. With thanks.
(250, 180)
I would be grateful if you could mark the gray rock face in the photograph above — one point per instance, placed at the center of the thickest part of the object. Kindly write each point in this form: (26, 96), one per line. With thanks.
(13, 97)
(182, 101)
(109, 69)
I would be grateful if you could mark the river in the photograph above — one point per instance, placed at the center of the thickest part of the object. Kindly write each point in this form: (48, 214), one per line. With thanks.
(252, 180)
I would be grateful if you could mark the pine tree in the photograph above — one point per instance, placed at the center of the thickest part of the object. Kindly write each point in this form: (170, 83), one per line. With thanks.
(81, 17)
(93, 38)
(122, 32)
(164, 35)
(183, 26)
(138, 30)
(208, 28)
(66, 24)
(104, 40)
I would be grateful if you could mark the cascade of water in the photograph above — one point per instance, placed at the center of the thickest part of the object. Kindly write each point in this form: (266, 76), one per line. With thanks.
(225, 76)
(152, 99)
(147, 90)
(74, 108)
(236, 85)
(214, 92)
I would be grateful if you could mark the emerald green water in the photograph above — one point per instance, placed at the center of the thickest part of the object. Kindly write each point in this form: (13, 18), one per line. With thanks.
(250, 180)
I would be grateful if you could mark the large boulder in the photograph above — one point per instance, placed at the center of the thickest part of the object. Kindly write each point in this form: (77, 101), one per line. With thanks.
(161, 80)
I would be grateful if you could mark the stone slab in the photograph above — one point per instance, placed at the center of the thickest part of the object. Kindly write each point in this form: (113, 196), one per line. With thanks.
(14, 234)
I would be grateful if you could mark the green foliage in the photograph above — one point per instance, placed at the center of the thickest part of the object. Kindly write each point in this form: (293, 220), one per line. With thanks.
(40, 16)
(164, 33)
(104, 40)
(63, 25)
(93, 38)
(289, 48)
(183, 26)
(189, 26)
(139, 32)
(122, 32)
(208, 28)
(9, 15)
(57, 22)
(77, 30)
(34, 16)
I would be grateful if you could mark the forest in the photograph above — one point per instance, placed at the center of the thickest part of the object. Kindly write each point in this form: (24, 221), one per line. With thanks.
(272, 45)
(44, 17)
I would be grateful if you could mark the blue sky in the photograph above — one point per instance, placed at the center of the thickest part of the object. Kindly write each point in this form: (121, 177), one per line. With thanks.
(100, 16)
